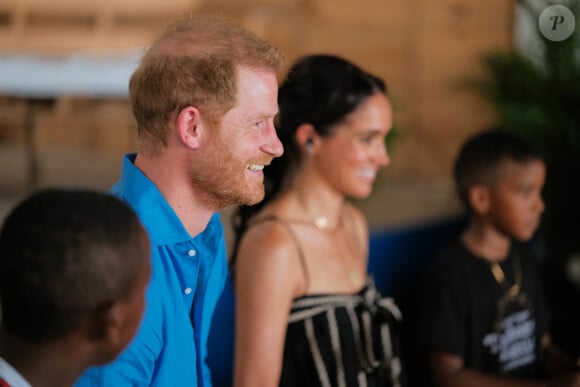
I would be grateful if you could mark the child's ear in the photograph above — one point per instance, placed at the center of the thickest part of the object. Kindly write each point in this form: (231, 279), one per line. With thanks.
(96, 325)
(105, 323)
(105, 329)
(479, 198)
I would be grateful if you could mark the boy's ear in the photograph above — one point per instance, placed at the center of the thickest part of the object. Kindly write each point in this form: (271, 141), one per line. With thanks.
(99, 321)
(105, 329)
(189, 126)
(479, 198)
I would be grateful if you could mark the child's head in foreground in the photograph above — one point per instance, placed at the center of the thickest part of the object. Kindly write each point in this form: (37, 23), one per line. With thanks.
(73, 263)
(499, 177)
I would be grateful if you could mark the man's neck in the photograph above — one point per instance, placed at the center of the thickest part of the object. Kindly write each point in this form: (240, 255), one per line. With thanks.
(177, 190)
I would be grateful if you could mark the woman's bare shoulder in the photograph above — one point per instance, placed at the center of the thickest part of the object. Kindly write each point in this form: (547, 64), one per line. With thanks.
(268, 249)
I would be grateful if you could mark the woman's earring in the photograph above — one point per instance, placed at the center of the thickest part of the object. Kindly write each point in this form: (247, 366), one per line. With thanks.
(308, 145)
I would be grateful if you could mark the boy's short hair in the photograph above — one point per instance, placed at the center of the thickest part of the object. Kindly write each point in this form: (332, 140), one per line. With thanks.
(64, 253)
(481, 156)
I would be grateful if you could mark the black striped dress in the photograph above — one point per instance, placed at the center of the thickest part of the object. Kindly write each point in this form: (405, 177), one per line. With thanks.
(343, 340)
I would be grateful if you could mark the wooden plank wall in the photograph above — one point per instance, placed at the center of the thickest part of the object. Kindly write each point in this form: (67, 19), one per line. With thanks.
(63, 26)
(421, 47)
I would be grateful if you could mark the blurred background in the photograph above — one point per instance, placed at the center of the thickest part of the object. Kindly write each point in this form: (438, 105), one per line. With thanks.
(65, 66)
(453, 67)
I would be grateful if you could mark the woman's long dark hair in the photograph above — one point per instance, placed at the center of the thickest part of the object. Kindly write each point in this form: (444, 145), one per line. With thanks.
(320, 90)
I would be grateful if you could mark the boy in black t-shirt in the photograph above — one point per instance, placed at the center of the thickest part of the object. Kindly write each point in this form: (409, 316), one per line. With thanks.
(484, 321)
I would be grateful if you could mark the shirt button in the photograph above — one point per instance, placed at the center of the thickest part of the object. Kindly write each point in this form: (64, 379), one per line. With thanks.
(187, 291)
(191, 253)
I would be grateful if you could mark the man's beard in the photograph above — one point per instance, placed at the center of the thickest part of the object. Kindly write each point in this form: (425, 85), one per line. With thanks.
(222, 179)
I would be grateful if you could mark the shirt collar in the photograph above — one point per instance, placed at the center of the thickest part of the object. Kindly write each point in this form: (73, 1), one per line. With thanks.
(157, 216)
(11, 376)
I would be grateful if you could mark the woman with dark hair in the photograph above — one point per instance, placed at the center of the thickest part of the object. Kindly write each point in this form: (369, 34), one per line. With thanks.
(307, 312)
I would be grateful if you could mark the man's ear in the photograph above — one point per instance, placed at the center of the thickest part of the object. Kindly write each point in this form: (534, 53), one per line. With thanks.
(479, 197)
(189, 127)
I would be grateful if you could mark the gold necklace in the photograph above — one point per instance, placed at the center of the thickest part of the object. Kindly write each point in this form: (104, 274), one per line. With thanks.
(499, 276)
(320, 221)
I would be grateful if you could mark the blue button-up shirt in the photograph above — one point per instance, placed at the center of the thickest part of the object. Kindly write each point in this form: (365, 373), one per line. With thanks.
(188, 276)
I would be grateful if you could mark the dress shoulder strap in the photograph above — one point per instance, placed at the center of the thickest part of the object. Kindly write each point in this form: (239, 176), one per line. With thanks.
(286, 224)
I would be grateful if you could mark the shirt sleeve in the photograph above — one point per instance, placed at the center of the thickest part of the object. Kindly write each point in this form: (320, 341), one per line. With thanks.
(444, 310)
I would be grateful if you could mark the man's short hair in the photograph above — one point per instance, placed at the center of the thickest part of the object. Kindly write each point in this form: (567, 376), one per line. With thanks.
(194, 64)
(64, 253)
(481, 156)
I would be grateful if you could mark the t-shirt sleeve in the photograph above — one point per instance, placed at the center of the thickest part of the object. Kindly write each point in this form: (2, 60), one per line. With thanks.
(443, 320)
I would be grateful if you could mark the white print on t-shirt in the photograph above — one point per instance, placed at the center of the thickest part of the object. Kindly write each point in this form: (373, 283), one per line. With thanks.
(514, 342)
